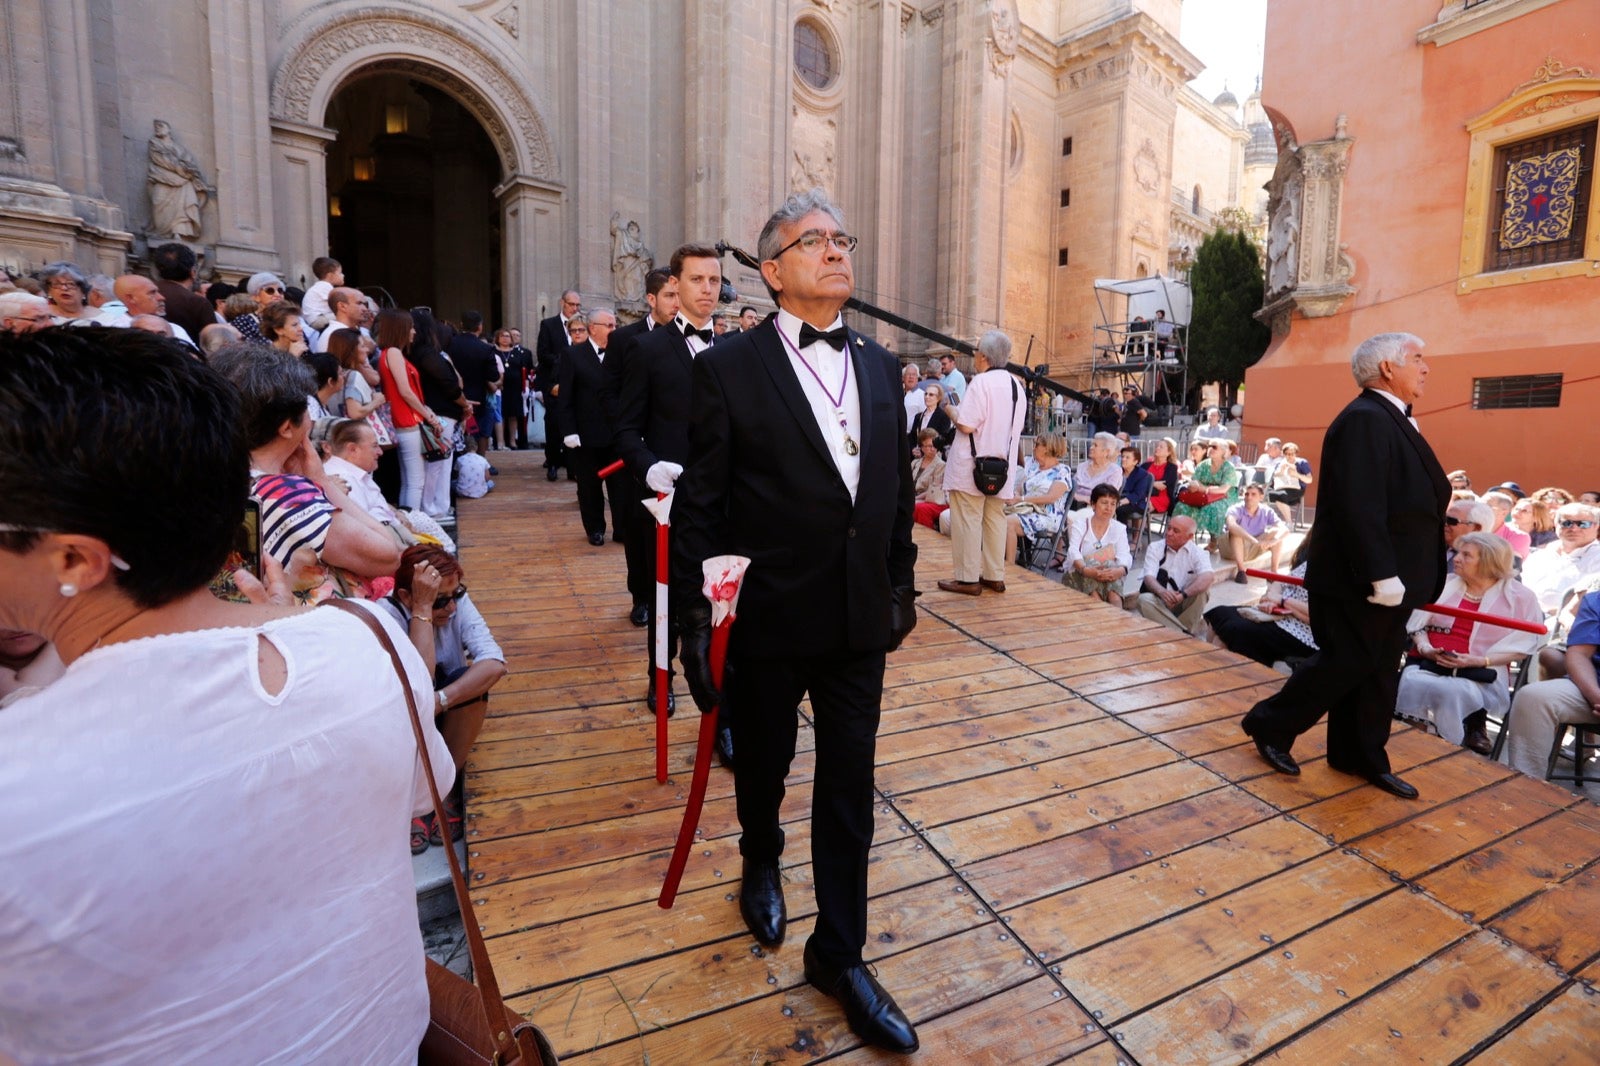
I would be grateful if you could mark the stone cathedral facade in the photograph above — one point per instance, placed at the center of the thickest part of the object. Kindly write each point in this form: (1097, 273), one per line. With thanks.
(994, 156)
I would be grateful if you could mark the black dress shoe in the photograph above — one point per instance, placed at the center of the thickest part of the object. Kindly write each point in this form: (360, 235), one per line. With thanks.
(597, 539)
(550, 473)
(761, 902)
(724, 746)
(494, 471)
(1394, 786)
(872, 1013)
(650, 700)
(640, 616)
(1477, 739)
(1278, 758)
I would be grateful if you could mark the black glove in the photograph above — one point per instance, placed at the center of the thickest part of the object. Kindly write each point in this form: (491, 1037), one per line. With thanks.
(694, 651)
(902, 614)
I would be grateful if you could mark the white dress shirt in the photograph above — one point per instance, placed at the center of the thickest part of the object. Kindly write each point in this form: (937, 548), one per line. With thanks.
(820, 360)
(696, 345)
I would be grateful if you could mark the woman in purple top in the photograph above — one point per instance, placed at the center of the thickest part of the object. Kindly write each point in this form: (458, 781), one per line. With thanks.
(1253, 529)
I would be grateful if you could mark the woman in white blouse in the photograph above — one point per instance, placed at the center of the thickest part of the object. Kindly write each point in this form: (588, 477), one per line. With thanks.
(1098, 557)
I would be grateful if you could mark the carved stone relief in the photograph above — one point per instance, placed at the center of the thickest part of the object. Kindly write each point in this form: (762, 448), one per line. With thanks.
(508, 18)
(1307, 268)
(815, 138)
(630, 262)
(1147, 168)
(178, 190)
(1005, 35)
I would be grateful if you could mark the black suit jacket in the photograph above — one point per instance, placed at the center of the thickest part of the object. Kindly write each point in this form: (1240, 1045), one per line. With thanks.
(1380, 509)
(653, 411)
(940, 423)
(474, 360)
(519, 363)
(579, 406)
(619, 350)
(547, 349)
(761, 482)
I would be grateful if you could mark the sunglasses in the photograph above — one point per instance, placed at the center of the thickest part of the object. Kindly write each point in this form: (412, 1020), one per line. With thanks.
(1451, 520)
(441, 602)
(274, 289)
(1575, 523)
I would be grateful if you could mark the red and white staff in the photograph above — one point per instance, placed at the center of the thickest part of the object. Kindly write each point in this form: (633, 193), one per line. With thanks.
(724, 576)
(1435, 608)
(660, 509)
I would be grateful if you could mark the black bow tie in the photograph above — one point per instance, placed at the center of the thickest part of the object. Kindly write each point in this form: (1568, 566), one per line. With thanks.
(1408, 410)
(809, 335)
(690, 331)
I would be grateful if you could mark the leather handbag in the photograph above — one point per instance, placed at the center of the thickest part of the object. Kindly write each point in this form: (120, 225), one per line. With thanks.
(1194, 496)
(989, 472)
(1483, 675)
(433, 445)
(468, 1023)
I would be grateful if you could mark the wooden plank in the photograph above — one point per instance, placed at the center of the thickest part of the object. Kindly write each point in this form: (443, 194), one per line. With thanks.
(1317, 781)
(1159, 887)
(1491, 879)
(1558, 924)
(1454, 1001)
(1142, 697)
(1126, 975)
(1206, 724)
(1030, 731)
(1252, 1007)
(1078, 643)
(1353, 814)
(1159, 668)
(1565, 1032)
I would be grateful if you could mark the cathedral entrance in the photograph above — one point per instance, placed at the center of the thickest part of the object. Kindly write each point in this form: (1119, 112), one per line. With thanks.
(412, 210)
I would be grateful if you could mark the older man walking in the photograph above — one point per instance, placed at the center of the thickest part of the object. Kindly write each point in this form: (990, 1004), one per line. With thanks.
(1377, 552)
(989, 425)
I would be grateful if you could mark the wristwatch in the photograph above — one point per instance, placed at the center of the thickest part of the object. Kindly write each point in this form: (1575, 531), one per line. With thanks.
(444, 702)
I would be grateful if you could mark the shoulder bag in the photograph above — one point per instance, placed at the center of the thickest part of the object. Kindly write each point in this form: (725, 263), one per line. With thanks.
(989, 472)
(467, 1023)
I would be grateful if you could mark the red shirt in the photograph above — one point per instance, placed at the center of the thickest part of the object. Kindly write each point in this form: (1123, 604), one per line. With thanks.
(402, 413)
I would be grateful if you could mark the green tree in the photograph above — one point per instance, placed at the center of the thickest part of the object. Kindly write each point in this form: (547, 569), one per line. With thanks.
(1226, 284)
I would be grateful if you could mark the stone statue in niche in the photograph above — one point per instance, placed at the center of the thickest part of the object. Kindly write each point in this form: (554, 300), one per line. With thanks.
(1283, 237)
(178, 189)
(630, 260)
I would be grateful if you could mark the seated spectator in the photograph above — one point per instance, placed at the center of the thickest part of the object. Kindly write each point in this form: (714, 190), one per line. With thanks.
(1534, 519)
(1462, 517)
(1101, 468)
(932, 417)
(1590, 497)
(1289, 480)
(1213, 428)
(325, 544)
(1501, 505)
(237, 306)
(152, 324)
(217, 294)
(1098, 557)
(1041, 500)
(927, 473)
(1177, 577)
(1551, 496)
(28, 662)
(361, 396)
(68, 292)
(1277, 629)
(216, 336)
(280, 327)
(1541, 710)
(1253, 529)
(329, 377)
(354, 455)
(1553, 656)
(1163, 469)
(1198, 449)
(1456, 674)
(23, 312)
(1266, 463)
(1552, 570)
(1217, 480)
(1459, 481)
(430, 600)
(262, 289)
(1137, 484)
(204, 817)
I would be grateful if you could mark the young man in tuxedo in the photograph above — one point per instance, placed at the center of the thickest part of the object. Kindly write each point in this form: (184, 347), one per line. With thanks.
(797, 461)
(653, 411)
(580, 407)
(547, 349)
(1377, 552)
(639, 526)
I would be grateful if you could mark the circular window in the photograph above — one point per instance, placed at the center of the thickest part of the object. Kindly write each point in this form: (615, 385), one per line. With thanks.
(814, 58)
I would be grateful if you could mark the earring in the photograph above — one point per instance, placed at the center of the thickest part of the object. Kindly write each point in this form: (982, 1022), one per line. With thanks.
(68, 589)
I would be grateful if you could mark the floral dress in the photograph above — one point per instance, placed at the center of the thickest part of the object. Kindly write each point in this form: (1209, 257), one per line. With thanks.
(1036, 481)
(1212, 518)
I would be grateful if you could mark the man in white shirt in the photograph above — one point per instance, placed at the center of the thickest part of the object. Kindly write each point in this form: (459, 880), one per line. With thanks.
(1267, 462)
(1213, 428)
(951, 378)
(1177, 577)
(1556, 568)
(911, 381)
(988, 424)
(349, 309)
(141, 296)
(355, 456)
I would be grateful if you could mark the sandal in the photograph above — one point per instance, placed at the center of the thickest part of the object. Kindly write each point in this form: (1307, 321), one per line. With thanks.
(419, 836)
(436, 832)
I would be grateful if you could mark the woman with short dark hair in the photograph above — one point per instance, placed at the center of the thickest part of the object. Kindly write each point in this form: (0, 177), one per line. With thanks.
(280, 327)
(203, 806)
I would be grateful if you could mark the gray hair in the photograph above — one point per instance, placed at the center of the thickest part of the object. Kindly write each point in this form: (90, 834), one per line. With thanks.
(1478, 513)
(1495, 560)
(1384, 348)
(1588, 511)
(793, 210)
(1107, 440)
(261, 280)
(910, 368)
(589, 314)
(1271, 441)
(63, 270)
(995, 346)
(102, 285)
(13, 304)
(216, 335)
(580, 317)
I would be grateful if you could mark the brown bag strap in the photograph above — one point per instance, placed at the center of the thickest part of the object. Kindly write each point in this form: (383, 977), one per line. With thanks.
(494, 1015)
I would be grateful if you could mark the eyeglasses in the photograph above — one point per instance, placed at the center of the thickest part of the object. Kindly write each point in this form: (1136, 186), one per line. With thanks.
(441, 602)
(6, 527)
(1575, 523)
(812, 241)
(275, 289)
(1451, 520)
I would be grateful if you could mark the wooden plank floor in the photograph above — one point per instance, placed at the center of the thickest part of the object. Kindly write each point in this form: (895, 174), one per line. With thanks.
(1077, 857)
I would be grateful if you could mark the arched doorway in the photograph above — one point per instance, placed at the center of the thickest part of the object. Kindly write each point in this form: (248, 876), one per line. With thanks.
(412, 211)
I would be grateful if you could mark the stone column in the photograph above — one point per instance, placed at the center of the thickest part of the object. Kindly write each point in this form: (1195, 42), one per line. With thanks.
(240, 84)
(592, 154)
(300, 194)
(531, 226)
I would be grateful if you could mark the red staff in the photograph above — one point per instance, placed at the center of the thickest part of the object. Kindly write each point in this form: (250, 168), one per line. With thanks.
(660, 508)
(1436, 608)
(724, 575)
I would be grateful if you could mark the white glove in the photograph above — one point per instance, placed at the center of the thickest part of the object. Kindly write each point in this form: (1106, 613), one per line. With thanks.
(1387, 593)
(661, 475)
(571, 440)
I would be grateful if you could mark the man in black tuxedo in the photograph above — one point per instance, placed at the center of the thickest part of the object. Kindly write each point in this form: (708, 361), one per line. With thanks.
(547, 349)
(639, 527)
(1377, 552)
(653, 410)
(474, 360)
(580, 407)
(796, 460)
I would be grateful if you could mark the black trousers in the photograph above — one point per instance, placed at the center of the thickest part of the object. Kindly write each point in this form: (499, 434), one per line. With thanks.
(640, 543)
(554, 451)
(1352, 679)
(585, 464)
(1265, 642)
(846, 692)
(511, 411)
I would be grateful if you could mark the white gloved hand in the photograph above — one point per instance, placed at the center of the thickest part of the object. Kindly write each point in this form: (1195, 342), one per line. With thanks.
(571, 440)
(661, 475)
(1387, 593)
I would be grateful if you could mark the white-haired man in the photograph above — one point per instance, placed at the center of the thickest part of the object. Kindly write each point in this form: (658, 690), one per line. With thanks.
(23, 312)
(1376, 553)
(1558, 566)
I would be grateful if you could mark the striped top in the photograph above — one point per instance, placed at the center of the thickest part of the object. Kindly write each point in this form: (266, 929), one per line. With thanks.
(294, 514)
